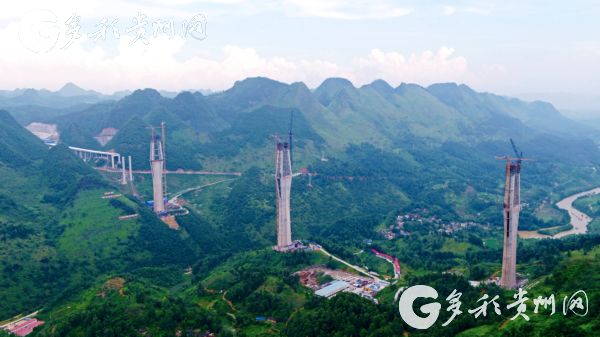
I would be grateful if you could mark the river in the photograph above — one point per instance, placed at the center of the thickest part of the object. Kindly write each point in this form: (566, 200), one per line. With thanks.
(579, 220)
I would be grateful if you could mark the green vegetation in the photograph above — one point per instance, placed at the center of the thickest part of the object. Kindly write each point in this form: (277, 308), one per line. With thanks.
(589, 205)
(138, 308)
(578, 270)
(13, 141)
(594, 226)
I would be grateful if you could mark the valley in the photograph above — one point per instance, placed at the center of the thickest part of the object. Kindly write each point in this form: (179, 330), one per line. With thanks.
(578, 219)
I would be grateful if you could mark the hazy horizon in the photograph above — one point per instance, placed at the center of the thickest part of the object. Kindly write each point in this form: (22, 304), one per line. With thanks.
(571, 105)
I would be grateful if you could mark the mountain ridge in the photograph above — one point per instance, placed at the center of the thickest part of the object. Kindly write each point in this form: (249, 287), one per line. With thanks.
(339, 112)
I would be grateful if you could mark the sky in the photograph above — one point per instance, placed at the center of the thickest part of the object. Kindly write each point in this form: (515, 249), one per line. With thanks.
(532, 49)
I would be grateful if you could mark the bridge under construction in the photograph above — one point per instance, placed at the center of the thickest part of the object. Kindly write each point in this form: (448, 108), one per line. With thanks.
(512, 208)
(87, 155)
(157, 167)
(182, 172)
(283, 189)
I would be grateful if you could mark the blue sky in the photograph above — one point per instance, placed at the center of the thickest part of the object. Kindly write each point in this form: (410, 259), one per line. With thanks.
(508, 47)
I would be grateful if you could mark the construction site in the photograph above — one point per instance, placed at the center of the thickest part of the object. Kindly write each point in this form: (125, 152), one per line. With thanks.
(167, 208)
(342, 281)
(117, 165)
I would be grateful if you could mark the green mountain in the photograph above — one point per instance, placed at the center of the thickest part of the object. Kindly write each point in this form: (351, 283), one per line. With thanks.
(443, 135)
(194, 109)
(17, 148)
(539, 116)
(338, 112)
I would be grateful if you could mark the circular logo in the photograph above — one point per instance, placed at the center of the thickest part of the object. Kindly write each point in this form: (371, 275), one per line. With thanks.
(39, 31)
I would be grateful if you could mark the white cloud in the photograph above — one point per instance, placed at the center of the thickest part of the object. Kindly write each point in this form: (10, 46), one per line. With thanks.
(154, 65)
(425, 68)
(160, 65)
(482, 10)
(587, 48)
(449, 10)
(348, 10)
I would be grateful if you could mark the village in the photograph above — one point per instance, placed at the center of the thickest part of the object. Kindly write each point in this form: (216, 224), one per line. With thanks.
(420, 217)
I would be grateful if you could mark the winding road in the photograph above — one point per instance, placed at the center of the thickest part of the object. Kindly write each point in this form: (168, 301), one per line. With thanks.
(175, 196)
(357, 268)
(579, 220)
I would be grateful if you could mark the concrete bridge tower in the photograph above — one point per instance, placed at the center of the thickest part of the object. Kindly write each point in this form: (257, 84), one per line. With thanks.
(512, 207)
(283, 189)
(157, 166)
